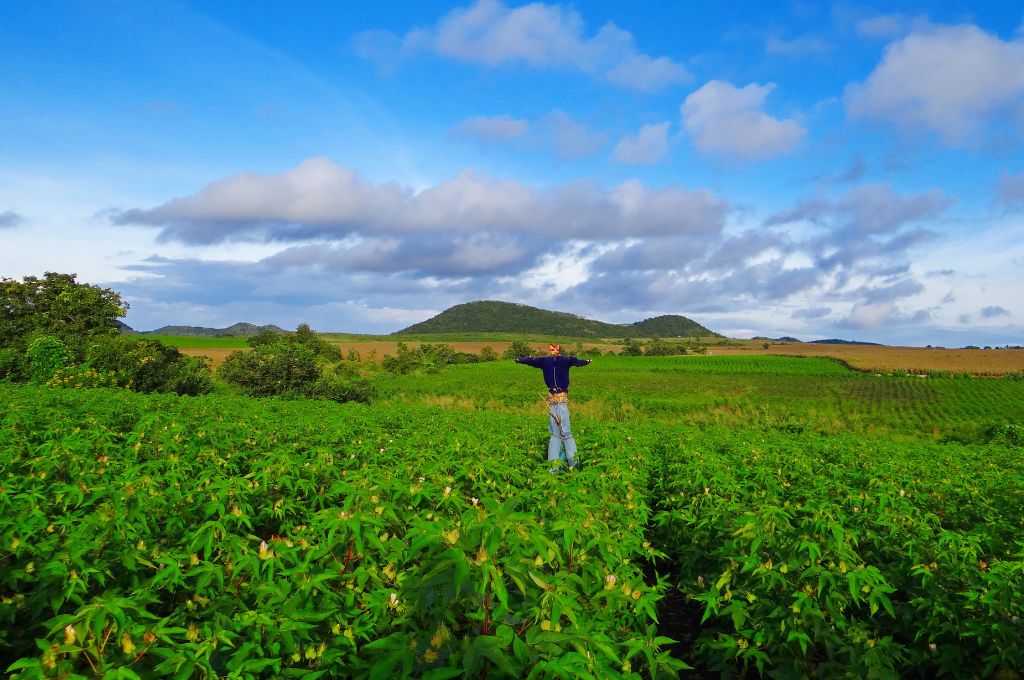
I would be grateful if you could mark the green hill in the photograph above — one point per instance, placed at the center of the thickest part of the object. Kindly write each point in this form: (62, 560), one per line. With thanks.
(240, 330)
(490, 316)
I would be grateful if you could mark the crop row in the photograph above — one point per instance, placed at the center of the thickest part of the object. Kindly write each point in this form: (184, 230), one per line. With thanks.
(150, 536)
(154, 536)
(840, 556)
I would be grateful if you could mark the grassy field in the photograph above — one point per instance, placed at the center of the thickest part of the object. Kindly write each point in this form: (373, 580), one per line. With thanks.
(813, 394)
(194, 342)
(746, 515)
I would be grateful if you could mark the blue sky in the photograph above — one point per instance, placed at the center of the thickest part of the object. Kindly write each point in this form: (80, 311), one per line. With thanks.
(813, 169)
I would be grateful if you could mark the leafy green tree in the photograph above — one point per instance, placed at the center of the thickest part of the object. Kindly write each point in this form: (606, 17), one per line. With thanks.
(440, 354)
(304, 335)
(263, 338)
(58, 306)
(404, 360)
(517, 349)
(656, 347)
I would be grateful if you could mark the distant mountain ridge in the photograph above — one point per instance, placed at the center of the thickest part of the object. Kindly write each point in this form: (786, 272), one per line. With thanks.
(238, 330)
(837, 341)
(493, 316)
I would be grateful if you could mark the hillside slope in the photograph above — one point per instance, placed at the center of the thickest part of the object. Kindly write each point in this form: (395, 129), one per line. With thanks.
(235, 330)
(491, 316)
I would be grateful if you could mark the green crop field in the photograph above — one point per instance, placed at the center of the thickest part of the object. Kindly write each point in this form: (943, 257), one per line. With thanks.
(744, 516)
(196, 342)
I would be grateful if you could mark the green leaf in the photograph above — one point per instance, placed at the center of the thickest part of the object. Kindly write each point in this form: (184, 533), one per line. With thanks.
(24, 663)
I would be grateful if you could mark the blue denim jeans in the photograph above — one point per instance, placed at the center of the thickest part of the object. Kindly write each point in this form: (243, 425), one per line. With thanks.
(561, 434)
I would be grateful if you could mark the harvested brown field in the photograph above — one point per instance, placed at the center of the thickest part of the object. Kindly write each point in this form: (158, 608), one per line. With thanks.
(863, 357)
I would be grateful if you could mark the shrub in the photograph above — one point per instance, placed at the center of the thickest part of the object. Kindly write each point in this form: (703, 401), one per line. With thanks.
(334, 387)
(657, 347)
(275, 369)
(466, 358)
(426, 358)
(633, 348)
(487, 353)
(146, 365)
(403, 361)
(46, 355)
(82, 376)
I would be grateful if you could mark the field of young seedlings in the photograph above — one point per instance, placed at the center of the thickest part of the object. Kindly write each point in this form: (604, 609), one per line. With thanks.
(778, 516)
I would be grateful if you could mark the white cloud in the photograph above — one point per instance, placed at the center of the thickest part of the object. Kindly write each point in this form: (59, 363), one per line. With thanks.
(322, 200)
(538, 35)
(647, 74)
(502, 128)
(724, 119)
(650, 145)
(868, 316)
(571, 139)
(952, 80)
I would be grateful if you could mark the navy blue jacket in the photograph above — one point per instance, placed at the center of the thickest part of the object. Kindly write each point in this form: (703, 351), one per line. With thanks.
(556, 369)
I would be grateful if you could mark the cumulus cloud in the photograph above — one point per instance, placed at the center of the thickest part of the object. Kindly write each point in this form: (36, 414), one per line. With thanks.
(537, 35)
(322, 200)
(1011, 190)
(688, 288)
(10, 219)
(454, 257)
(994, 311)
(571, 139)
(501, 128)
(724, 119)
(956, 81)
(869, 316)
(650, 145)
